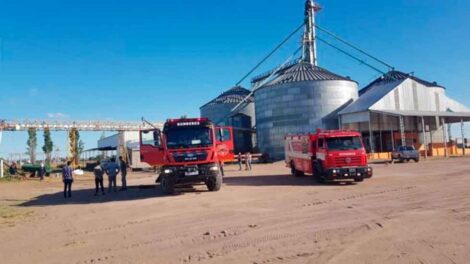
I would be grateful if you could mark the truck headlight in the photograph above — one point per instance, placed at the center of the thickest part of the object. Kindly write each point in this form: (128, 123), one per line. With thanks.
(214, 168)
(167, 171)
(334, 171)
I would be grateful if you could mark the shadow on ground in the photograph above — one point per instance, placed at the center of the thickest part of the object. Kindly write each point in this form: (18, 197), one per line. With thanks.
(86, 196)
(276, 180)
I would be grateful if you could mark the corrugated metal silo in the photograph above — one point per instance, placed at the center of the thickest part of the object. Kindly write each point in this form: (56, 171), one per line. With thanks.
(243, 120)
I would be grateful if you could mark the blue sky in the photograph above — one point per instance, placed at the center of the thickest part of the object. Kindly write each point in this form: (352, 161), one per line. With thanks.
(120, 60)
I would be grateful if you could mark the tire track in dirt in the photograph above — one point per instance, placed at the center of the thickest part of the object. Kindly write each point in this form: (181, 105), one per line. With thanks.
(359, 196)
(313, 238)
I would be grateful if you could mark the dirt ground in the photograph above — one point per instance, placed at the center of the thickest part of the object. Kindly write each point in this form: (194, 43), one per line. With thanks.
(407, 213)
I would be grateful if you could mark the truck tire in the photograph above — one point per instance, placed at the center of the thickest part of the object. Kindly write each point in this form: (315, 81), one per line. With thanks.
(416, 160)
(359, 179)
(167, 184)
(214, 183)
(295, 172)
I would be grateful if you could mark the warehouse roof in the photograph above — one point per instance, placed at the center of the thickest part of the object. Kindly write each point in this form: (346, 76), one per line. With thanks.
(233, 96)
(366, 100)
(393, 76)
(300, 72)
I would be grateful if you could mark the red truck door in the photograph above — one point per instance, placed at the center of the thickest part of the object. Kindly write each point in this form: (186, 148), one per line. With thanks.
(152, 150)
(224, 143)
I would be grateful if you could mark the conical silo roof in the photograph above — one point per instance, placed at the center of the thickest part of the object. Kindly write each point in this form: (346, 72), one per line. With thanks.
(300, 72)
(233, 96)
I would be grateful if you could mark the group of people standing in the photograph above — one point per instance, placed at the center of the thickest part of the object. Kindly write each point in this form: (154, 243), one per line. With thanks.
(247, 158)
(112, 169)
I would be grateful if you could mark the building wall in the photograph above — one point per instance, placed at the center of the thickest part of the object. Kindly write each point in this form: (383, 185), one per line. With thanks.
(297, 108)
(131, 138)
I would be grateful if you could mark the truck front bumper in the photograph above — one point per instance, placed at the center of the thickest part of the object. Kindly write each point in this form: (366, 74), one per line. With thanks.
(191, 174)
(352, 173)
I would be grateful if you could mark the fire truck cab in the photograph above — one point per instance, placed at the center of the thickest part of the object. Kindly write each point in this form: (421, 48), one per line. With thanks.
(333, 155)
(188, 151)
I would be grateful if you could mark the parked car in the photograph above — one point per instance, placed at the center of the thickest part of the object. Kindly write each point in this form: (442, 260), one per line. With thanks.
(405, 153)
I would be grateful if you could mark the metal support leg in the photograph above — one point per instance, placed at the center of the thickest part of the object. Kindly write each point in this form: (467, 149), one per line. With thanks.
(371, 141)
(1, 168)
(425, 141)
(444, 133)
(380, 134)
(462, 128)
(402, 131)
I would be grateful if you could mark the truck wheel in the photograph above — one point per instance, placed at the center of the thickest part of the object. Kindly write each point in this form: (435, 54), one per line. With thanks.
(359, 179)
(214, 183)
(167, 183)
(295, 172)
(416, 160)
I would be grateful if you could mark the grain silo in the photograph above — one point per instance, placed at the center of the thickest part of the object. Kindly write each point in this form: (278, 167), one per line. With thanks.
(300, 97)
(219, 111)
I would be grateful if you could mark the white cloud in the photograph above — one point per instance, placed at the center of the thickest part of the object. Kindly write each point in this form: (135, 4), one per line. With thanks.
(57, 115)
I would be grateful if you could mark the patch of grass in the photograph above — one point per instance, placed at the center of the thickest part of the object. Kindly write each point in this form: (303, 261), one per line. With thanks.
(8, 179)
(10, 214)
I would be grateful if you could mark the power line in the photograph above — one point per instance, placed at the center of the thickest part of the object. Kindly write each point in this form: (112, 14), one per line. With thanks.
(351, 56)
(266, 80)
(354, 47)
(271, 53)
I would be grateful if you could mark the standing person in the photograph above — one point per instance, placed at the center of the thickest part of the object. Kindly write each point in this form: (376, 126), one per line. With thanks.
(99, 172)
(42, 171)
(123, 166)
(248, 161)
(239, 158)
(112, 169)
(67, 178)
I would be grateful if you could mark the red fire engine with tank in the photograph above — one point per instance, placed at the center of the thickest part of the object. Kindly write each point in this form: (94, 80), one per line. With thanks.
(333, 155)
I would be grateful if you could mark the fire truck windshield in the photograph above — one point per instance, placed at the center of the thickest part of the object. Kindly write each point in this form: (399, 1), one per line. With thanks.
(188, 137)
(344, 143)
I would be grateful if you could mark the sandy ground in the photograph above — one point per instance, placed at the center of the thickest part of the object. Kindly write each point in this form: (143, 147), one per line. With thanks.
(407, 213)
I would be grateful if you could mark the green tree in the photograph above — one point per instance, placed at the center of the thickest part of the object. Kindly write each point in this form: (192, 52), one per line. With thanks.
(48, 146)
(32, 144)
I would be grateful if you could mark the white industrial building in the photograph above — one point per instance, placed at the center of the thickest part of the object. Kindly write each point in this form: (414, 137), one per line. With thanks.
(401, 109)
(126, 143)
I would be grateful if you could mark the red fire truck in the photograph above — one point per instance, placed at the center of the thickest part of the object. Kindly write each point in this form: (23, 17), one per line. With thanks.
(188, 151)
(334, 155)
